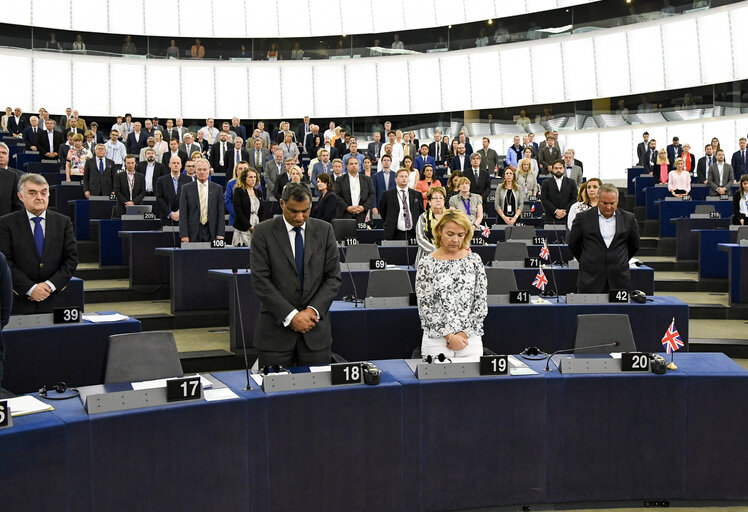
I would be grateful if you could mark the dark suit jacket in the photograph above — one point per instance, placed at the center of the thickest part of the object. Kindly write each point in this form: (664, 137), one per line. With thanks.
(167, 156)
(480, 184)
(96, 183)
(228, 159)
(737, 163)
(57, 264)
(278, 287)
(29, 137)
(9, 191)
(600, 265)
(309, 143)
(343, 192)
(373, 152)
(443, 152)
(189, 211)
(215, 158)
(672, 154)
(42, 142)
(389, 209)
(191, 149)
(455, 165)
(133, 146)
(702, 168)
(641, 149)
(326, 208)
(546, 157)
(14, 127)
(166, 200)
(243, 208)
(158, 171)
(122, 191)
(489, 160)
(380, 187)
(281, 181)
(553, 199)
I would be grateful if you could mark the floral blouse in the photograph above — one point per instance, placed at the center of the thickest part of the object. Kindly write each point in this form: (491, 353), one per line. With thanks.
(451, 295)
(77, 159)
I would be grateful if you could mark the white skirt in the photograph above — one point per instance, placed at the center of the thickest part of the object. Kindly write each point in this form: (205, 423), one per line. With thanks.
(241, 238)
(436, 346)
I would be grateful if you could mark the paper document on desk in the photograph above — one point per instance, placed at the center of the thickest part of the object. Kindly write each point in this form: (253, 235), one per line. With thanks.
(517, 367)
(161, 383)
(213, 395)
(101, 319)
(22, 405)
(257, 377)
(320, 369)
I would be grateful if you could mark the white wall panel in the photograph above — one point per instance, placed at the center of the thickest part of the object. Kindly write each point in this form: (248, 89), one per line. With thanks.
(198, 92)
(449, 12)
(17, 13)
(232, 92)
(355, 16)
(548, 73)
(262, 19)
(420, 12)
(54, 92)
(688, 133)
(162, 88)
(520, 92)
(738, 24)
(361, 87)
(17, 92)
(298, 95)
(425, 93)
(680, 53)
(611, 59)
(455, 77)
(482, 10)
(229, 18)
(486, 89)
(387, 16)
(89, 17)
(715, 48)
(330, 90)
(51, 13)
(587, 148)
(126, 17)
(91, 91)
(394, 98)
(127, 87)
(199, 22)
(162, 18)
(579, 74)
(645, 57)
(506, 9)
(540, 5)
(611, 160)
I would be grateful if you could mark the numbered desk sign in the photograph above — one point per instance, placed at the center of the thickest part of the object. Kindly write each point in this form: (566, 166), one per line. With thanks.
(351, 241)
(685, 198)
(362, 225)
(715, 215)
(618, 296)
(526, 215)
(478, 240)
(67, 315)
(188, 388)
(494, 365)
(538, 240)
(218, 243)
(345, 373)
(149, 216)
(634, 362)
(724, 197)
(532, 198)
(377, 264)
(5, 415)
(113, 196)
(519, 297)
(532, 262)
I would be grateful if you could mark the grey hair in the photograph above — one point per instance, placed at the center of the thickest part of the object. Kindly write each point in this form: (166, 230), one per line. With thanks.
(36, 179)
(4, 145)
(296, 191)
(609, 187)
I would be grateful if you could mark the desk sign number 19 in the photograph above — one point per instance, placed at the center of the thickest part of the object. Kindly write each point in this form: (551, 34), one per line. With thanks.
(493, 365)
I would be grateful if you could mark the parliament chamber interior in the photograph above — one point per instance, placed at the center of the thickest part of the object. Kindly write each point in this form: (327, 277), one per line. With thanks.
(247, 249)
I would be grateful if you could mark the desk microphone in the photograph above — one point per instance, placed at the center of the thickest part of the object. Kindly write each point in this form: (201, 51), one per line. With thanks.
(356, 300)
(173, 236)
(589, 347)
(234, 271)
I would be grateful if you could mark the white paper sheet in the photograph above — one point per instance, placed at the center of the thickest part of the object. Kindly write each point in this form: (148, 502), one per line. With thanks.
(27, 404)
(161, 383)
(212, 395)
(100, 319)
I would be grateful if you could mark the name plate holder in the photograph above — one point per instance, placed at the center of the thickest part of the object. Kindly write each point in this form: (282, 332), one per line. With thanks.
(554, 227)
(572, 264)
(447, 370)
(195, 245)
(170, 229)
(587, 298)
(283, 381)
(135, 217)
(98, 401)
(344, 267)
(507, 264)
(499, 227)
(99, 198)
(394, 243)
(673, 198)
(725, 197)
(70, 183)
(587, 365)
(700, 216)
(30, 321)
(743, 243)
(500, 299)
(386, 302)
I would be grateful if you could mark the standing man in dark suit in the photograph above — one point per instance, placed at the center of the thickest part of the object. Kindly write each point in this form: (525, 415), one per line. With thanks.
(705, 162)
(296, 276)
(235, 155)
(16, 123)
(30, 134)
(355, 193)
(40, 247)
(603, 240)
(201, 208)
(98, 174)
(136, 140)
(9, 200)
(641, 148)
(558, 194)
(400, 208)
(547, 155)
(304, 129)
(480, 180)
(6, 304)
(438, 149)
(173, 151)
(129, 187)
(48, 141)
(383, 181)
(375, 148)
(674, 150)
(423, 159)
(218, 153)
(151, 171)
(461, 161)
(738, 161)
(650, 156)
(169, 190)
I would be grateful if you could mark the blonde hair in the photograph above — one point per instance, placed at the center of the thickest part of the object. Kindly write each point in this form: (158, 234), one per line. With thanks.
(662, 160)
(463, 180)
(459, 218)
(522, 162)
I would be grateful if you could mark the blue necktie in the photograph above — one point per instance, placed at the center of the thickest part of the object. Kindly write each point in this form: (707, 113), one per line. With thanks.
(38, 235)
(176, 184)
(300, 257)
(101, 166)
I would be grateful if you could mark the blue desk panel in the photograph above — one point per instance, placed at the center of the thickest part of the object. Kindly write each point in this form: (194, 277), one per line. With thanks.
(65, 193)
(676, 209)
(631, 174)
(111, 251)
(85, 210)
(712, 261)
(140, 247)
(641, 183)
(737, 271)
(687, 241)
(660, 192)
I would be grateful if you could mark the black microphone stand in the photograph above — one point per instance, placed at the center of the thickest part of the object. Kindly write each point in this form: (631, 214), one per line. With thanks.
(234, 271)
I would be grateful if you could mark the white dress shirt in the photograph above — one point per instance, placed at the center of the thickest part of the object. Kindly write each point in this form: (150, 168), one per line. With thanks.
(32, 225)
(292, 240)
(355, 184)
(607, 228)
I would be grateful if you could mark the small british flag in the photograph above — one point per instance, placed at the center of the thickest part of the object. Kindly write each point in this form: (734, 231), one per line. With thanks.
(485, 231)
(544, 252)
(368, 216)
(671, 341)
(540, 280)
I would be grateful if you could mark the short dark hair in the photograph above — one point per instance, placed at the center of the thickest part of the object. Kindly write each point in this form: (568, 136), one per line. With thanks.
(296, 191)
(553, 164)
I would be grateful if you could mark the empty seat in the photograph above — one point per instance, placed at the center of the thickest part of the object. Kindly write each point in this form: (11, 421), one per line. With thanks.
(520, 233)
(500, 281)
(344, 228)
(604, 328)
(510, 251)
(742, 234)
(389, 283)
(704, 208)
(140, 356)
(362, 253)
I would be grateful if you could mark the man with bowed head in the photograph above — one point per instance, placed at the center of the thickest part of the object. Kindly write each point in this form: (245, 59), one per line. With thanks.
(296, 276)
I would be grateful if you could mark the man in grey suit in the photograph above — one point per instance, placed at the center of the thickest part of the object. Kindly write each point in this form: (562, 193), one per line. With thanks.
(547, 155)
(720, 177)
(201, 214)
(273, 169)
(296, 276)
(257, 155)
(189, 146)
(355, 193)
(573, 172)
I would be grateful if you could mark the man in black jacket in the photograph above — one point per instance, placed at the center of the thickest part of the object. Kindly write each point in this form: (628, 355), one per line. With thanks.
(559, 193)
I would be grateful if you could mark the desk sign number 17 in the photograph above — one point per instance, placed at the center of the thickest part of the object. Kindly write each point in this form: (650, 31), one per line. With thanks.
(178, 390)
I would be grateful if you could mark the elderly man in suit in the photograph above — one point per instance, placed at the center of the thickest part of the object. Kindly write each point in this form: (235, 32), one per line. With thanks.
(273, 169)
(603, 239)
(201, 208)
(573, 171)
(355, 193)
(234, 155)
(40, 247)
(169, 190)
(48, 141)
(9, 200)
(558, 194)
(98, 174)
(296, 276)
(129, 187)
(30, 133)
(721, 176)
(136, 140)
(256, 155)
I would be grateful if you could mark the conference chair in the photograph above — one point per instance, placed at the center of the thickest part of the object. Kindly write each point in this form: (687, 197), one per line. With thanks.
(389, 283)
(361, 253)
(704, 208)
(520, 233)
(742, 234)
(344, 229)
(501, 281)
(604, 328)
(141, 356)
(510, 251)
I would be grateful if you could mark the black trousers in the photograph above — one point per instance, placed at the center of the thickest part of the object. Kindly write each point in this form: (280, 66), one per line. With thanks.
(300, 355)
